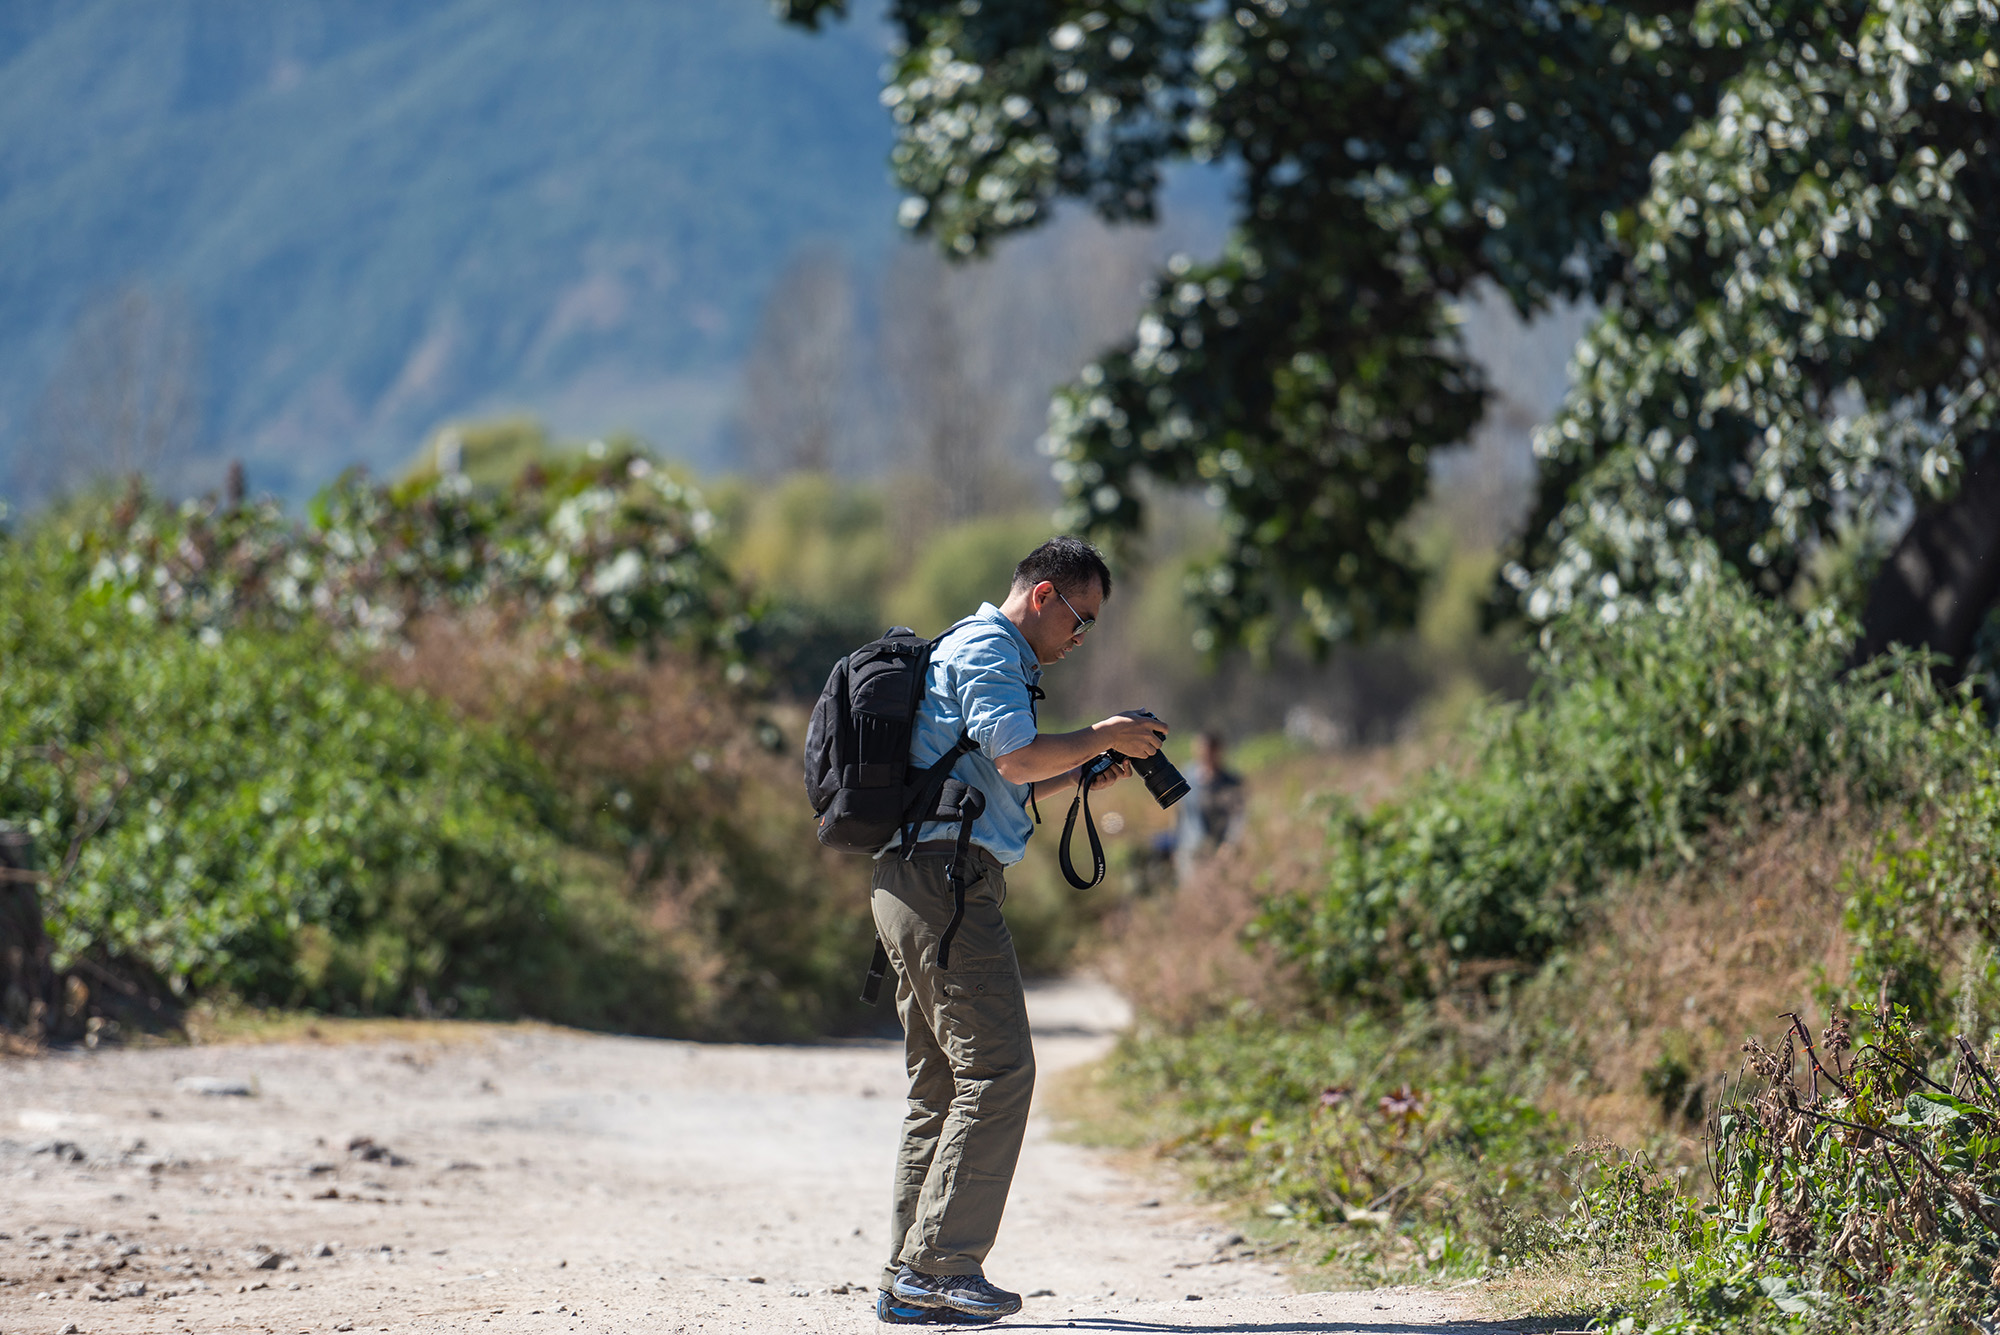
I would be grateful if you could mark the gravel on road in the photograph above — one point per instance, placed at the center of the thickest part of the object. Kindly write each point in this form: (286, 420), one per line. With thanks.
(532, 1179)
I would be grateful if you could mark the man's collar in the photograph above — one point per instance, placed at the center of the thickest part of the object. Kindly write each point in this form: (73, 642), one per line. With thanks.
(988, 612)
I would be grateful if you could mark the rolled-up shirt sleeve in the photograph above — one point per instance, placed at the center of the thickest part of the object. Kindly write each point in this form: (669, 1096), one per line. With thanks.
(993, 697)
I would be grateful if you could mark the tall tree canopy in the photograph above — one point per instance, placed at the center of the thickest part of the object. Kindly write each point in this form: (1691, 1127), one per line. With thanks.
(1776, 203)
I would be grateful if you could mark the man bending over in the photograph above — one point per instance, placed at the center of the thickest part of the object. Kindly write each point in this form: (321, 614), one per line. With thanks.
(965, 1028)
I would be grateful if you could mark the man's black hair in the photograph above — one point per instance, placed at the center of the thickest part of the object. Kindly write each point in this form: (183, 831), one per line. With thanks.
(1068, 563)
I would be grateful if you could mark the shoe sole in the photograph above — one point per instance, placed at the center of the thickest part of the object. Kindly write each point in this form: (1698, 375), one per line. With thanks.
(930, 1316)
(938, 1302)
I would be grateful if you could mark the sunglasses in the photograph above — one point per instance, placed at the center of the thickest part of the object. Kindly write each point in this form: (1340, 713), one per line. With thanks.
(1083, 623)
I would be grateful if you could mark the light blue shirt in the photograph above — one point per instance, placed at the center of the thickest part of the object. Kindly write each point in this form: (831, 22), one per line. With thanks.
(978, 683)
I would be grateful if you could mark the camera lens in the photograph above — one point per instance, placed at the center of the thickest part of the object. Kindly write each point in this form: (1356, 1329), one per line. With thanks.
(1163, 781)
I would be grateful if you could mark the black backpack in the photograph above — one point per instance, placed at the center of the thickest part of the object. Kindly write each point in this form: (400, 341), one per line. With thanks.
(858, 773)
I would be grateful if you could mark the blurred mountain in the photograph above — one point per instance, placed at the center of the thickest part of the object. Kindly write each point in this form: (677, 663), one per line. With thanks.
(377, 216)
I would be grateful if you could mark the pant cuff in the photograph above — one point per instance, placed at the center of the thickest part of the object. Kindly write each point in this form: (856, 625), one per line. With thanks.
(945, 1266)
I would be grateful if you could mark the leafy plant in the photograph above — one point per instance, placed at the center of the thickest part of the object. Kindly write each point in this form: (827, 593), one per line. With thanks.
(1855, 1185)
(1929, 892)
(439, 748)
(1647, 724)
(1396, 1150)
(250, 813)
(608, 547)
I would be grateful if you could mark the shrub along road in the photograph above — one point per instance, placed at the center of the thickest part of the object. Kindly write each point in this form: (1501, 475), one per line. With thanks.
(437, 1177)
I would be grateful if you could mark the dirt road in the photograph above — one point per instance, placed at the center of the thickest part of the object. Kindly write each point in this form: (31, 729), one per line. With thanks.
(546, 1181)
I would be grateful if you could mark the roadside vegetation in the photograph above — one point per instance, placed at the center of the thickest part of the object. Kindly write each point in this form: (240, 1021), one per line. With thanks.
(1664, 997)
(435, 748)
(515, 738)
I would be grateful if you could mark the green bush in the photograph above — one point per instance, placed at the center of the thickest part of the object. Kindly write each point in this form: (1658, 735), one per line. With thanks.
(1929, 892)
(603, 546)
(247, 812)
(1645, 728)
(438, 747)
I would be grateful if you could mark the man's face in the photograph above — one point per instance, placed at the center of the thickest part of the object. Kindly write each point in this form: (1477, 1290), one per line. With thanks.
(1057, 618)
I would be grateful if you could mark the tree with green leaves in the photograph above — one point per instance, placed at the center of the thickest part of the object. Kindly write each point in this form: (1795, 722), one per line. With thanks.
(1802, 344)
(1775, 203)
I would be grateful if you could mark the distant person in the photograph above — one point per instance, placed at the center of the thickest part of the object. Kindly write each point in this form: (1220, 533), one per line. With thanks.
(1211, 815)
(966, 1041)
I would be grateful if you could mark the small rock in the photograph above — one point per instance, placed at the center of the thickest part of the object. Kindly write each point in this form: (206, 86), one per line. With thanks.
(68, 1328)
(318, 1168)
(263, 1260)
(292, 1288)
(319, 1249)
(753, 1279)
(801, 1293)
(1152, 1204)
(838, 1288)
(365, 1149)
(1193, 1298)
(215, 1086)
(136, 1289)
(1043, 1293)
(345, 1325)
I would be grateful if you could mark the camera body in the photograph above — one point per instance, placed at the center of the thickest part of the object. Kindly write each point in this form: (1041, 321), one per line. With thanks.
(1163, 781)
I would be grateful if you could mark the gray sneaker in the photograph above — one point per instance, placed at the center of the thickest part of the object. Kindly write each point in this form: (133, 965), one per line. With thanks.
(970, 1294)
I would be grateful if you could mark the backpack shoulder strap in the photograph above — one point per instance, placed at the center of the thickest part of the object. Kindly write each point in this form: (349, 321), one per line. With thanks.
(929, 785)
(960, 624)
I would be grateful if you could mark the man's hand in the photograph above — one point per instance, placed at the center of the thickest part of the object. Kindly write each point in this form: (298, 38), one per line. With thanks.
(1059, 753)
(1121, 770)
(1133, 733)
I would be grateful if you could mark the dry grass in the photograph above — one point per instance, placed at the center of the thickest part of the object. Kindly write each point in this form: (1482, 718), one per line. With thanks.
(1180, 957)
(1678, 971)
(1683, 968)
(224, 1024)
(684, 806)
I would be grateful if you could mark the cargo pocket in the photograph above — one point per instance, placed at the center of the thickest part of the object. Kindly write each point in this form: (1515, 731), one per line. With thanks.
(982, 1019)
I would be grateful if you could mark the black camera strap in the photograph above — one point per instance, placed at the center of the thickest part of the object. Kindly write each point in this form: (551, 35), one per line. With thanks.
(1081, 803)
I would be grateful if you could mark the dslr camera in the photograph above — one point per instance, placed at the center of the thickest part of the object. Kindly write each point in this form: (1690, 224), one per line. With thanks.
(1163, 781)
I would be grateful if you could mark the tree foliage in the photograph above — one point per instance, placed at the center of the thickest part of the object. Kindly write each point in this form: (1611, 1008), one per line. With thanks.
(1805, 339)
(1393, 156)
(605, 546)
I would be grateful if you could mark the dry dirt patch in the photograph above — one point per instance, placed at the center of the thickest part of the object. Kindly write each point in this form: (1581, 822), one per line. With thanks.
(543, 1180)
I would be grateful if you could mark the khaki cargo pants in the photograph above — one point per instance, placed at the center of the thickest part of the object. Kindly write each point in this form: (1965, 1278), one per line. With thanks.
(971, 1064)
